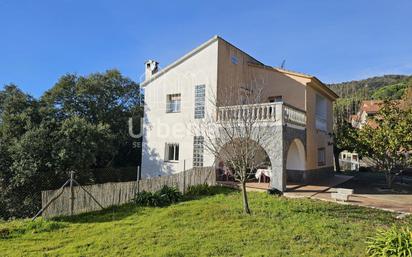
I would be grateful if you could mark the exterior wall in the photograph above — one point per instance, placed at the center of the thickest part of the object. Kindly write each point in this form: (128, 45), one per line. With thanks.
(294, 89)
(161, 127)
(363, 119)
(316, 138)
(213, 66)
(248, 72)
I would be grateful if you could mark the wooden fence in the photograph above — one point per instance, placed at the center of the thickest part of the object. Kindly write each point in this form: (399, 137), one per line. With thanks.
(111, 194)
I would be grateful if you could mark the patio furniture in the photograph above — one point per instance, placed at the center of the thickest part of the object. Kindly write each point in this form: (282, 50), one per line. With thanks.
(342, 194)
(224, 174)
(263, 172)
(228, 173)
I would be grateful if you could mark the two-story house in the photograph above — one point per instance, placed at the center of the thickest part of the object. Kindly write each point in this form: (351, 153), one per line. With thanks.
(299, 107)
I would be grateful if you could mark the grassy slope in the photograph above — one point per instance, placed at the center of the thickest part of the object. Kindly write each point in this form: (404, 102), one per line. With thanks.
(212, 226)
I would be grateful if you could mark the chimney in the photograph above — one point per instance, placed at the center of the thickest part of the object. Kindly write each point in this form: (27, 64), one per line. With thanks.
(151, 67)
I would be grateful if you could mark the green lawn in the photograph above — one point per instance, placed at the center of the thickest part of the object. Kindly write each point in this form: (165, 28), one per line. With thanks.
(211, 226)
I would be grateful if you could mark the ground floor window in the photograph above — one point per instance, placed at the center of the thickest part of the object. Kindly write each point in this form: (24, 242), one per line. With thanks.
(198, 151)
(321, 156)
(172, 152)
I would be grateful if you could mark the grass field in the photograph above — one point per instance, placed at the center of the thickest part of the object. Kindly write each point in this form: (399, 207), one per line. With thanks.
(211, 226)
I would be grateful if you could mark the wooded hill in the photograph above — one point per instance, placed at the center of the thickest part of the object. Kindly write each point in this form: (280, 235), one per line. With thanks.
(376, 88)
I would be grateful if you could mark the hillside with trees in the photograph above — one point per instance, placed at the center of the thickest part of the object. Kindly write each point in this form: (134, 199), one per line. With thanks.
(387, 87)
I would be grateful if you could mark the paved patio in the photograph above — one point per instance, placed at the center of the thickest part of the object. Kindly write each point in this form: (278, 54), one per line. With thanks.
(400, 202)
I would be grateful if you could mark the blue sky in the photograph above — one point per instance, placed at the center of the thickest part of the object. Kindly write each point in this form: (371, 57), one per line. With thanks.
(334, 40)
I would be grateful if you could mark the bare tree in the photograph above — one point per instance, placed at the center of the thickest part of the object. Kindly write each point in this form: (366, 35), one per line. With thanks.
(238, 132)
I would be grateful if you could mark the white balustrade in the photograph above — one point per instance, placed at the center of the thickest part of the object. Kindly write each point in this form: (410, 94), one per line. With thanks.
(263, 112)
(293, 115)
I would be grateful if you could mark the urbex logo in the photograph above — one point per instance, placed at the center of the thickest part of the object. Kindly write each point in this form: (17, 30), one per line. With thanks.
(131, 132)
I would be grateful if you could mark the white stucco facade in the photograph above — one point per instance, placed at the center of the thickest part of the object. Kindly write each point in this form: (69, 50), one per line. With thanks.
(161, 127)
(217, 64)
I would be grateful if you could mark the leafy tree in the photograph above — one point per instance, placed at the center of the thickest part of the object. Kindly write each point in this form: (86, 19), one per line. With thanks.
(408, 94)
(344, 135)
(80, 144)
(19, 116)
(80, 124)
(18, 112)
(101, 98)
(391, 92)
(345, 138)
(387, 139)
(32, 170)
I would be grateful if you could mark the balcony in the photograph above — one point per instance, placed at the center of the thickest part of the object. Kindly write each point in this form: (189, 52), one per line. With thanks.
(278, 113)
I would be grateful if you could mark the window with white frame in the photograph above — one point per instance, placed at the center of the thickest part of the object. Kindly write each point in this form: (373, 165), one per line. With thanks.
(321, 113)
(200, 101)
(173, 103)
(198, 151)
(172, 152)
(321, 156)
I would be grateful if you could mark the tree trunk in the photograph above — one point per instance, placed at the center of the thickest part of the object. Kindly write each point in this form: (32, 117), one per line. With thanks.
(389, 179)
(245, 199)
(336, 153)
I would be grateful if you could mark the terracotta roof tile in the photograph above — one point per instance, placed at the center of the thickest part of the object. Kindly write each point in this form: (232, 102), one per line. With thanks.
(353, 117)
(371, 106)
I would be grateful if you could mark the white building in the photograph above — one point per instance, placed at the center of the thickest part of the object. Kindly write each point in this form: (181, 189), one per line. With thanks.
(176, 97)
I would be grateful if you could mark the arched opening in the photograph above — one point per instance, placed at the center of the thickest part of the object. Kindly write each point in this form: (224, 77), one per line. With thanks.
(233, 155)
(295, 161)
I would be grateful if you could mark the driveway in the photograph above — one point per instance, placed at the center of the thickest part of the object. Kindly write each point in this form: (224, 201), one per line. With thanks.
(369, 191)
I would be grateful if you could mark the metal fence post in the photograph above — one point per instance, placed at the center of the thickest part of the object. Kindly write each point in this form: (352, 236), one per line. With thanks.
(138, 179)
(71, 193)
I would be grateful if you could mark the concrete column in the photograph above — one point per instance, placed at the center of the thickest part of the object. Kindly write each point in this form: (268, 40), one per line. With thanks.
(278, 180)
(279, 113)
(277, 158)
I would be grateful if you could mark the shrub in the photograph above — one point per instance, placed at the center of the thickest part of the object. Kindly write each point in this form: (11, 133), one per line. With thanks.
(4, 233)
(170, 194)
(393, 242)
(198, 190)
(165, 196)
(148, 199)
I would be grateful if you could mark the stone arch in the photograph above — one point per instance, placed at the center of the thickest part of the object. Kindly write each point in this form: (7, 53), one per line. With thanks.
(295, 161)
(262, 155)
(276, 148)
(296, 157)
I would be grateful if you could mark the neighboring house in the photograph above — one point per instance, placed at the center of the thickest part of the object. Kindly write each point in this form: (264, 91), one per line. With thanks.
(368, 109)
(177, 96)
